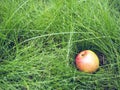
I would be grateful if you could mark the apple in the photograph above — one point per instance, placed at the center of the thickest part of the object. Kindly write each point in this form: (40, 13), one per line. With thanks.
(87, 61)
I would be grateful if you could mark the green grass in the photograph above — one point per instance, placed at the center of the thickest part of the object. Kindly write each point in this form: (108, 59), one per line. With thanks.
(39, 40)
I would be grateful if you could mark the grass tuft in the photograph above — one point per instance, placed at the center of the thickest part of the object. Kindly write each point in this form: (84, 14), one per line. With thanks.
(40, 39)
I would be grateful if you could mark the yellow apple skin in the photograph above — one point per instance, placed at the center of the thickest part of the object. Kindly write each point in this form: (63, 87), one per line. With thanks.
(87, 61)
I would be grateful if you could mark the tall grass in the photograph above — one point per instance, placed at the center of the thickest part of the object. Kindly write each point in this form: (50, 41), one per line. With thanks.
(39, 40)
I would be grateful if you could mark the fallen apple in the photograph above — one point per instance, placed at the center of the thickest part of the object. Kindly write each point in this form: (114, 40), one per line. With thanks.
(87, 61)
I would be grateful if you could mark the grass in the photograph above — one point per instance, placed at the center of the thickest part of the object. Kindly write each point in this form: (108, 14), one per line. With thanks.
(40, 39)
